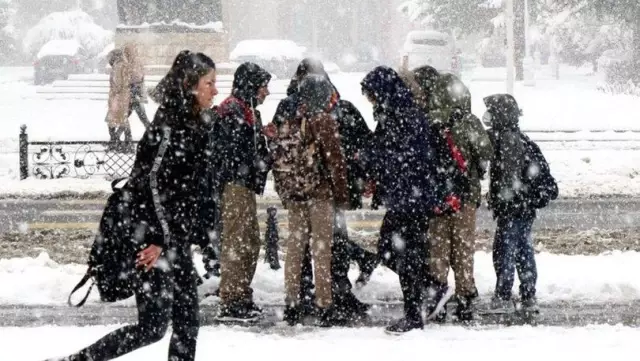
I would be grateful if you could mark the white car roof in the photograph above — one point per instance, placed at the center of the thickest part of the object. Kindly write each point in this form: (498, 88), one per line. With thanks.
(59, 47)
(268, 49)
(427, 34)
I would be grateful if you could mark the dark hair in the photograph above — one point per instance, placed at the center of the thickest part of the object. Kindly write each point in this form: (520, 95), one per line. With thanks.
(115, 56)
(186, 71)
(308, 66)
(315, 93)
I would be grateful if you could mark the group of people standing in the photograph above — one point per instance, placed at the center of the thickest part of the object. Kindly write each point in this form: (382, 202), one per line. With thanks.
(199, 169)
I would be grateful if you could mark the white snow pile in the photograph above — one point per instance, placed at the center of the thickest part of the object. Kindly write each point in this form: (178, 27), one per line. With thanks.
(610, 277)
(523, 343)
(68, 25)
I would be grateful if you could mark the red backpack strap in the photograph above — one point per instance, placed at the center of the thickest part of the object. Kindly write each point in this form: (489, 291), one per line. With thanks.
(455, 151)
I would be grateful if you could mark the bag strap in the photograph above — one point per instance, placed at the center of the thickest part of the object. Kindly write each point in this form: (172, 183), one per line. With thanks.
(456, 154)
(83, 281)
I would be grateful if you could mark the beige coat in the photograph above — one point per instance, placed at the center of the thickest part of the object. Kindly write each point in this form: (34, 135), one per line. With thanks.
(119, 94)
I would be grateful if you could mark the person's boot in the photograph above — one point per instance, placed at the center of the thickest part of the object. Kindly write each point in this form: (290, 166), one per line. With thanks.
(404, 325)
(465, 310)
(501, 305)
(529, 305)
(236, 312)
(367, 265)
(293, 315)
(348, 308)
(308, 304)
(326, 317)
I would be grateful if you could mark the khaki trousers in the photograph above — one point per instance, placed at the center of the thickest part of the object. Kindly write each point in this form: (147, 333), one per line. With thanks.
(240, 244)
(310, 221)
(451, 242)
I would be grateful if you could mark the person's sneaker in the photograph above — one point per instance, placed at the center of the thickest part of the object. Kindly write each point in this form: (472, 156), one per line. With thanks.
(236, 313)
(465, 308)
(367, 266)
(308, 306)
(348, 307)
(292, 315)
(501, 306)
(437, 298)
(403, 326)
(327, 317)
(254, 310)
(529, 305)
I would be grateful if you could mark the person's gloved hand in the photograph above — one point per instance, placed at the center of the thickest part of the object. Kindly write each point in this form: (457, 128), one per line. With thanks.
(451, 205)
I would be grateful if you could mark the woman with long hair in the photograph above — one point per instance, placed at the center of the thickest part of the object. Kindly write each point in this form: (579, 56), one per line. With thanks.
(170, 162)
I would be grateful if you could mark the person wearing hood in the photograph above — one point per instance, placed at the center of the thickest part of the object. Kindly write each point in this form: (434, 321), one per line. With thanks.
(137, 95)
(243, 167)
(311, 178)
(354, 135)
(401, 161)
(170, 161)
(451, 238)
(119, 99)
(513, 245)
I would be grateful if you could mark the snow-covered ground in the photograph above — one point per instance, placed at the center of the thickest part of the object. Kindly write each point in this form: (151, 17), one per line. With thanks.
(569, 104)
(593, 279)
(435, 342)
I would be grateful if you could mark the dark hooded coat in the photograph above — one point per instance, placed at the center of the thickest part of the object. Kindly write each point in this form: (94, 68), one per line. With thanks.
(240, 149)
(506, 196)
(401, 156)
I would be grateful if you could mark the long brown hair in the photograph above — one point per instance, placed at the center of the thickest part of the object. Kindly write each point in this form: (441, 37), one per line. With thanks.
(174, 90)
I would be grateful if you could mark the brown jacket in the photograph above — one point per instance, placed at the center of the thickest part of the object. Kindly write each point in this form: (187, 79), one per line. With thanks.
(119, 94)
(325, 131)
(324, 175)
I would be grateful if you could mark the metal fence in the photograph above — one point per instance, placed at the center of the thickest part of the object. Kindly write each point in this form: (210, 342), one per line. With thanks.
(84, 159)
(74, 159)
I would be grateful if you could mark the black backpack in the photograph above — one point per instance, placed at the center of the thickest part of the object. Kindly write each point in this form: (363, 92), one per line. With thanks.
(541, 188)
(111, 261)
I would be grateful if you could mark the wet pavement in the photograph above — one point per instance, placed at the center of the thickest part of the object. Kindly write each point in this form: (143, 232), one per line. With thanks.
(568, 314)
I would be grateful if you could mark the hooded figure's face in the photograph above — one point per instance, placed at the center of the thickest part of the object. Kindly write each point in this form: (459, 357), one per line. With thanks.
(263, 93)
(503, 110)
(487, 119)
(449, 96)
(386, 90)
(250, 83)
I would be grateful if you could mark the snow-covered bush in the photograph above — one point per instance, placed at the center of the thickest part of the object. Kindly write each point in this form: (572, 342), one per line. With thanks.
(68, 25)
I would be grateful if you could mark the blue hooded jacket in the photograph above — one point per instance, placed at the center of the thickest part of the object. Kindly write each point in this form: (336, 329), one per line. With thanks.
(402, 157)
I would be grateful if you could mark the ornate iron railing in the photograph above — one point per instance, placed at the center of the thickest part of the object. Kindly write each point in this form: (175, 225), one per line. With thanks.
(74, 159)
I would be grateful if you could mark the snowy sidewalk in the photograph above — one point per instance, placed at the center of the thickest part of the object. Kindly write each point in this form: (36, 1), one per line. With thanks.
(559, 313)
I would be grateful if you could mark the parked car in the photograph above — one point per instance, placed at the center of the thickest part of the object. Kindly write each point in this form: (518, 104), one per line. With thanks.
(361, 58)
(59, 58)
(278, 56)
(434, 48)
